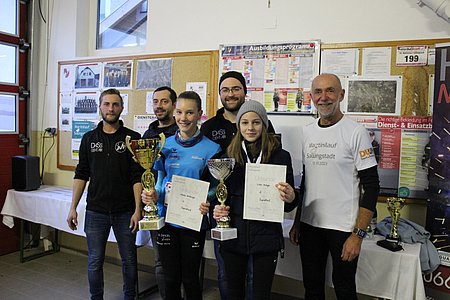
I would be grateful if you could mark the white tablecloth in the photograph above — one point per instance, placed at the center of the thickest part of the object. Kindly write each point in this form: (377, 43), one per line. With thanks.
(381, 273)
(50, 205)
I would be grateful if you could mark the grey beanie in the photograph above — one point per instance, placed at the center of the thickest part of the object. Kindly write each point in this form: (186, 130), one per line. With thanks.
(253, 106)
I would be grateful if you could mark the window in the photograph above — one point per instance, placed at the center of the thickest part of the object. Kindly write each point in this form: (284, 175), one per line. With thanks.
(8, 17)
(121, 23)
(8, 110)
(8, 61)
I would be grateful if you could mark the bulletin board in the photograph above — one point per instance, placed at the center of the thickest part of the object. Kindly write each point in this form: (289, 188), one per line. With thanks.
(186, 67)
(400, 134)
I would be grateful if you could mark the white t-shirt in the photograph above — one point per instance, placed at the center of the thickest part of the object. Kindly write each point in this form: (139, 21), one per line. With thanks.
(332, 157)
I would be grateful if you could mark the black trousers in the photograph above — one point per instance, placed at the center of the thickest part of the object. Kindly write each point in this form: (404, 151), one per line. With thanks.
(180, 251)
(236, 266)
(315, 244)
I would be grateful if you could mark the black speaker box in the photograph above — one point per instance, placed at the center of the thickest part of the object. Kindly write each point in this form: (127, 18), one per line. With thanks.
(25, 173)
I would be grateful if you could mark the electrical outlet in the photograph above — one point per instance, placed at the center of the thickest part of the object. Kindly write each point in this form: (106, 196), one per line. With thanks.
(51, 131)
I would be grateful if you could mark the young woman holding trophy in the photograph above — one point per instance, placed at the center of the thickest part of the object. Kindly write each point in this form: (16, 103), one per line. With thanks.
(253, 145)
(184, 154)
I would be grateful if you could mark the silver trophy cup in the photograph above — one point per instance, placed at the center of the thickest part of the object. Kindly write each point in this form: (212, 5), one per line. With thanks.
(221, 169)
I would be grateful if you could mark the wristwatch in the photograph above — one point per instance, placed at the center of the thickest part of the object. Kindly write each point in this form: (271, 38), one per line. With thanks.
(361, 233)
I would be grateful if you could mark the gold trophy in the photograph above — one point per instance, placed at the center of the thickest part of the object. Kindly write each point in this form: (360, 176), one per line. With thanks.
(392, 241)
(145, 152)
(221, 169)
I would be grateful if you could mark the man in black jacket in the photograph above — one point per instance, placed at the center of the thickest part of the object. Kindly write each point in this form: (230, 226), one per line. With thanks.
(114, 194)
(164, 101)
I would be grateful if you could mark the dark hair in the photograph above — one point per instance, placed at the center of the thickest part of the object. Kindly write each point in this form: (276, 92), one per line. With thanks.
(173, 94)
(111, 92)
(192, 96)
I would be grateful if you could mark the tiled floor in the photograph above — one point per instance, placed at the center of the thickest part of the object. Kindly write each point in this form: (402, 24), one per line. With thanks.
(63, 276)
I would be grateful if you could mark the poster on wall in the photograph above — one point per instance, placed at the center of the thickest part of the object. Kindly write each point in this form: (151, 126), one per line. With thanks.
(153, 73)
(376, 96)
(438, 209)
(66, 78)
(277, 75)
(117, 74)
(85, 106)
(87, 76)
(400, 146)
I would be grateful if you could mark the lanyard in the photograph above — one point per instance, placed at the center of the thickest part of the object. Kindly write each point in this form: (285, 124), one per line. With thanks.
(258, 160)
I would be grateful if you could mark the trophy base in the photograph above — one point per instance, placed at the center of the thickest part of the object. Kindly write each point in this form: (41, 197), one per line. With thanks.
(223, 234)
(390, 245)
(151, 224)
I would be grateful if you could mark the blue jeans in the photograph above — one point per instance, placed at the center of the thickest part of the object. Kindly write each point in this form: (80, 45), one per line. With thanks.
(221, 279)
(97, 227)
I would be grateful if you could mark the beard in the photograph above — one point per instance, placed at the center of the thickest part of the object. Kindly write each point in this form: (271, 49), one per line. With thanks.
(110, 121)
(235, 108)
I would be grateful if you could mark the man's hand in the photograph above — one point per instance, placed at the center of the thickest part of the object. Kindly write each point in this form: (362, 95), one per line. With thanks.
(72, 219)
(293, 233)
(134, 221)
(351, 248)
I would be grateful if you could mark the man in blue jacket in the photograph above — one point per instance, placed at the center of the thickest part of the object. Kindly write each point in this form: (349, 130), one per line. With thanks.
(114, 194)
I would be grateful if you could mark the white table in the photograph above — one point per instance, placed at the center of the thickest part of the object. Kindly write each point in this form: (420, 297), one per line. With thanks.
(381, 273)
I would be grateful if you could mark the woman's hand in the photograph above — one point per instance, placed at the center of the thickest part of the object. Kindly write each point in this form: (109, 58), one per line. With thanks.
(221, 211)
(287, 193)
(204, 208)
(149, 197)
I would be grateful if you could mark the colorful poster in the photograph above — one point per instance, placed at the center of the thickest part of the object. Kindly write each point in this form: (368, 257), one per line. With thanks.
(275, 74)
(438, 210)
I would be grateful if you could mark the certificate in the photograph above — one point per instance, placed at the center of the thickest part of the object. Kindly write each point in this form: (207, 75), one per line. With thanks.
(184, 202)
(261, 198)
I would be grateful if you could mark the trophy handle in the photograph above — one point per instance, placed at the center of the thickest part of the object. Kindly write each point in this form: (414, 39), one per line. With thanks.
(162, 141)
(127, 142)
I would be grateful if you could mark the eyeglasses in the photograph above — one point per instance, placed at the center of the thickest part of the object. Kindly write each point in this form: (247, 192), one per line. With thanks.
(234, 89)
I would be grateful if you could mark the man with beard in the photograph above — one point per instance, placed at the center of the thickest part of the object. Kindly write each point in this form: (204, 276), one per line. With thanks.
(339, 163)
(114, 194)
(221, 129)
(164, 102)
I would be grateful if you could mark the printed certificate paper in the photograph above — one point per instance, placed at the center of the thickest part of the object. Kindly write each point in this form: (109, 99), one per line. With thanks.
(184, 202)
(261, 198)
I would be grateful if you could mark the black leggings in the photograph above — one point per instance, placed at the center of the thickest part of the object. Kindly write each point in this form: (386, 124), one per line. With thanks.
(180, 251)
(264, 265)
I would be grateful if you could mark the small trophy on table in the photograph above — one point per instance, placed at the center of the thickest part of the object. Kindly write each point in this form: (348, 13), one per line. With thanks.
(145, 152)
(221, 169)
(392, 241)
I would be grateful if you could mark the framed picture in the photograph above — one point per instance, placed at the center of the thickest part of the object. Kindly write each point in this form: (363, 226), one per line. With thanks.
(375, 96)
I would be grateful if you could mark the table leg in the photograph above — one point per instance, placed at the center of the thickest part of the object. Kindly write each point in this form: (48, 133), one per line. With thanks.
(24, 258)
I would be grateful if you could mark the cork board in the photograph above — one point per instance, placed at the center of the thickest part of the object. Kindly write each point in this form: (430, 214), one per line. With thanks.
(201, 66)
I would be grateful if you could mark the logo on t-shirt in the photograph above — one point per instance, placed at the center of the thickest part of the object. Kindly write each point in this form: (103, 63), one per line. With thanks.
(120, 147)
(366, 153)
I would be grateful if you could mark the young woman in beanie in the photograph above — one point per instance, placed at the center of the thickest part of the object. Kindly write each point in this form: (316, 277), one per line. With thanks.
(259, 239)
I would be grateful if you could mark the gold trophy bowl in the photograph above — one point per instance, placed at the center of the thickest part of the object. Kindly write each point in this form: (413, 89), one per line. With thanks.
(392, 241)
(145, 152)
(220, 169)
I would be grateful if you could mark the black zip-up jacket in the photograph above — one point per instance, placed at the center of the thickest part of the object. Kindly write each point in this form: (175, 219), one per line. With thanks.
(255, 236)
(153, 130)
(105, 161)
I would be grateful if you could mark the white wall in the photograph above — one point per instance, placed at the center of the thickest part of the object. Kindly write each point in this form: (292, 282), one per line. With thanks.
(180, 25)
